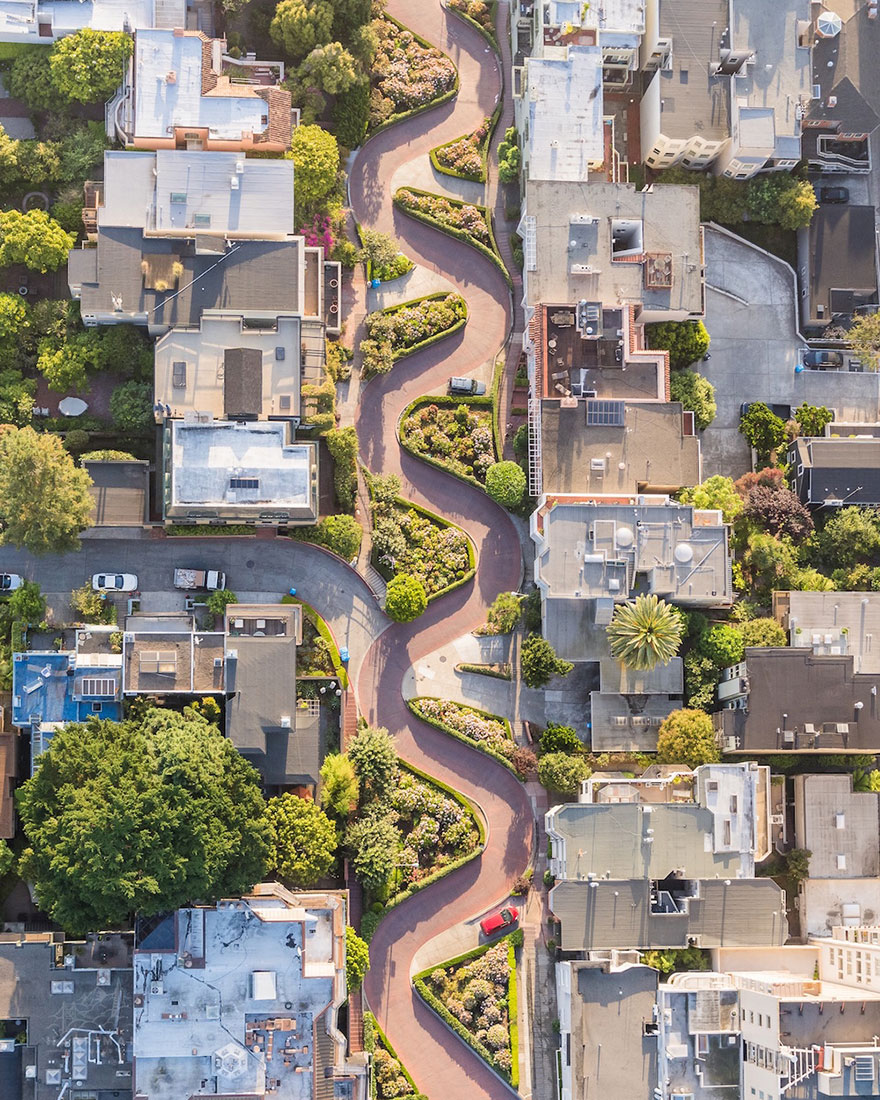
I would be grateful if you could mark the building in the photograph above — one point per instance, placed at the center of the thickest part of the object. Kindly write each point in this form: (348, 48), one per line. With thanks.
(798, 700)
(839, 826)
(666, 861)
(628, 709)
(833, 473)
(67, 1011)
(608, 1043)
(185, 93)
(165, 655)
(698, 1037)
(241, 999)
(224, 471)
(832, 622)
(282, 737)
(39, 23)
(593, 553)
(838, 253)
(120, 492)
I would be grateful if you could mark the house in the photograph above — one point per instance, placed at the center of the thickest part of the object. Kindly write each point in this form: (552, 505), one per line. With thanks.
(840, 827)
(32, 22)
(237, 471)
(698, 1037)
(793, 699)
(67, 1011)
(165, 655)
(594, 552)
(184, 92)
(833, 473)
(838, 255)
(608, 1043)
(281, 736)
(120, 492)
(832, 622)
(242, 998)
(628, 709)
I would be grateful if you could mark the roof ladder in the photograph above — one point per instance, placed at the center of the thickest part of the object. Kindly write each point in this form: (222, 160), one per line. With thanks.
(536, 476)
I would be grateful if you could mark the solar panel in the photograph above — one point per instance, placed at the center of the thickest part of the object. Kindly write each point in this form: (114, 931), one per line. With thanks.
(244, 483)
(98, 686)
(605, 414)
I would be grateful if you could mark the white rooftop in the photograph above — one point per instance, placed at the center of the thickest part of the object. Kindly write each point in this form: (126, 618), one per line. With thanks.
(21, 19)
(168, 91)
(566, 133)
(608, 16)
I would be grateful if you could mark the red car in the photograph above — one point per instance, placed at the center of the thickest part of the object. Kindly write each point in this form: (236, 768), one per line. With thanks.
(504, 918)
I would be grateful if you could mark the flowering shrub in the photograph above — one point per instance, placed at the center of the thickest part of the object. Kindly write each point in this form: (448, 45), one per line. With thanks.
(464, 157)
(478, 727)
(476, 10)
(436, 828)
(463, 216)
(405, 74)
(476, 994)
(405, 327)
(461, 438)
(388, 1073)
(319, 233)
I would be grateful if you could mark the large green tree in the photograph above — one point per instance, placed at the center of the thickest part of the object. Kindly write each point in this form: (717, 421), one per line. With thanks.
(141, 816)
(864, 335)
(715, 493)
(696, 394)
(301, 25)
(131, 406)
(90, 65)
(562, 773)
(33, 239)
(44, 498)
(644, 633)
(330, 68)
(405, 598)
(373, 841)
(538, 662)
(764, 430)
(339, 785)
(686, 341)
(315, 157)
(304, 840)
(506, 483)
(687, 737)
(374, 757)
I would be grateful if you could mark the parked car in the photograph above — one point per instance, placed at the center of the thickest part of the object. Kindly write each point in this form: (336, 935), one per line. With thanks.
(467, 386)
(212, 579)
(9, 582)
(834, 194)
(782, 411)
(504, 918)
(821, 358)
(114, 582)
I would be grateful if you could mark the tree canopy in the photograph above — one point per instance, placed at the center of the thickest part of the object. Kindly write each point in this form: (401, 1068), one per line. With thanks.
(562, 773)
(357, 959)
(538, 662)
(339, 785)
(644, 632)
(374, 757)
(405, 598)
(315, 157)
(716, 492)
(864, 335)
(373, 842)
(44, 498)
(141, 815)
(687, 737)
(763, 429)
(811, 419)
(696, 394)
(33, 239)
(300, 25)
(304, 840)
(89, 65)
(762, 632)
(686, 341)
(506, 483)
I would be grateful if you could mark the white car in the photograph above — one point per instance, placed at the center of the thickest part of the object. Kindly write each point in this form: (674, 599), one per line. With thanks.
(114, 582)
(9, 582)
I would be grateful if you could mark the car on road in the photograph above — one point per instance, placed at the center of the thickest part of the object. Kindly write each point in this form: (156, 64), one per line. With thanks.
(9, 582)
(467, 386)
(821, 358)
(833, 194)
(782, 411)
(504, 918)
(114, 582)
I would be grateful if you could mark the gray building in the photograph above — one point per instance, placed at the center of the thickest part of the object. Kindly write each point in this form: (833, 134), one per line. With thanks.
(834, 473)
(825, 623)
(840, 827)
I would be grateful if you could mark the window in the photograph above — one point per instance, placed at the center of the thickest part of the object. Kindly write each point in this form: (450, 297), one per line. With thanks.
(244, 483)
(178, 196)
(202, 221)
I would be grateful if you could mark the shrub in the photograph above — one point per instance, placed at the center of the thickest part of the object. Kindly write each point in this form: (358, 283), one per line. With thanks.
(464, 156)
(557, 771)
(131, 406)
(722, 644)
(342, 443)
(539, 663)
(811, 420)
(486, 730)
(403, 328)
(341, 534)
(464, 217)
(763, 429)
(458, 437)
(560, 739)
(405, 598)
(76, 440)
(687, 737)
(219, 600)
(506, 483)
(686, 341)
(762, 632)
(503, 614)
(696, 393)
(357, 960)
(407, 74)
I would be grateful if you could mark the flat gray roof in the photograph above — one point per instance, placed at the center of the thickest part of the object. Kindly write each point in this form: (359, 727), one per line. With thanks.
(566, 133)
(627, 723)
(820, 620)
(842, 264)
(120, 493)
(840, 826)
(695, 102)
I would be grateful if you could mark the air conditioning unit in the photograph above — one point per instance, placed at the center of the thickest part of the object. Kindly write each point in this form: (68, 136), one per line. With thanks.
(156, 989)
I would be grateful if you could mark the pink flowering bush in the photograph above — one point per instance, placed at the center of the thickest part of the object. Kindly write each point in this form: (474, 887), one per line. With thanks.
(465, 156)
(477, 10)
(405, 74)
(476, 993)
(435, 828)
(462, 216)
(406, 327)
(319, 233)
(468, 722)
(459, 437)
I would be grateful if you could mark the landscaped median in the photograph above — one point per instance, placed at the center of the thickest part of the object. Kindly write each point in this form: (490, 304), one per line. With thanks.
(465, 221)
(406, 328)
(475, 995)
(453, 433)
(465, 157)
(390, 1076)
(479, 14)
(490, 733)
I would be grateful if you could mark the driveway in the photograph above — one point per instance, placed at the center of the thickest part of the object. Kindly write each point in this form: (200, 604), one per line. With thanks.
(751, 315)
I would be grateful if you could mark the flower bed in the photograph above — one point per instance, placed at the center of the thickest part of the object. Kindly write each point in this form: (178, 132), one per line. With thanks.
(390, 1075)
(462, 220)
(407, 73)
(479, 14)
(324, 651)
(476, 997)
(411, 325)
(465, 157)
(489, 732)
(457, 437)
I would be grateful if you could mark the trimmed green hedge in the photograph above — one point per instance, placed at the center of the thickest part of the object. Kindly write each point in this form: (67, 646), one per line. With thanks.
(370, 1021)
(490, 38)
(323, 630)
(413, 706)
(512, 1018)
(487, 142)
(445, 401)
(459, 234)
(18, 636)
(210, 530)
(484, 670)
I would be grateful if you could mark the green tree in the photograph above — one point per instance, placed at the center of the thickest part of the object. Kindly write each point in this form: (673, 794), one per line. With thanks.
(11, 152)
(715, 493)
(131, 406)
(218, 600)
(16, 397)
(509, 156)
(33, 239)
(768, 563)
(342, 443)
(90, 65)
(341, 534)
(538, 662)
(374, 757)
(864, 336)
(339, 785)
(140, 816)
(506, 483)
(684, 959)
(811, 420)
(315, 157)
(88, 603)
(303, 840)
(560, 772)
(351, 114)
(28, 604)
(504, 612)
(14, 318)
(380, 250)
(686, 341)
(865, 779)
(696, 393)
(65, 368)
(405, 598)
(849, 536)
(44, 498)
(700, 681)
(644, 633)
(357, 960)
(30, 79)
(722, 644)
(763, 429)
(797, 864)
(762, 632)
(560, 739)
(373, 841)
(796, 205)
(299, 26)
(687, 737)
(7, 859)
(331, 68)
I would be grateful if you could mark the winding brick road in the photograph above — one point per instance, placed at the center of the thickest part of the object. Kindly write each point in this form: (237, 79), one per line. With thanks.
(443, 1066)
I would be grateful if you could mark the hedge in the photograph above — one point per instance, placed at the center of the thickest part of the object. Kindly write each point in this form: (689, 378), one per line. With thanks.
(459, 234)
(487, 143)
(472, 553)
(324, 631)
(490, 38)
(213, 530)
(485, 670)
(512, 1019)
(442, 402)
(370, 1021)
(429, 340)
(18, 636)
(412, 704)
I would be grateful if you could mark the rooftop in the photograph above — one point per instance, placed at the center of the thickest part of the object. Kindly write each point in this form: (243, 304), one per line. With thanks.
(627, 723)
(838, 825)
(565, 129)
(120, 493)
(827, 902)
(614, 17)
(173, 192)
(606, 231)
(844, 67)
(156, 663)
(52, 687)
(246, 469)
(26, 19)
(694, 100)
(842, 265)
(820, 620)
(699, 1039)
(846, 471)
(197, 369)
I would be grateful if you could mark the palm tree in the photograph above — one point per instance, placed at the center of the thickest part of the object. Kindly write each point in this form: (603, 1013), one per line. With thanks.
(645, 633)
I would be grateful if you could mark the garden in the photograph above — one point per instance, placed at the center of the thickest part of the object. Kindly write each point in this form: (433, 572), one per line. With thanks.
(408, 73)
(400, 330)
(453, 434)
(466, 221)
(410, 540)
(478, 13)
(476, 996)
(390, 1076)
(465, 157)
(485, 731)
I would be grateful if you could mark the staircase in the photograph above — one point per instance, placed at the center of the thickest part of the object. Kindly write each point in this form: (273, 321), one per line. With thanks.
(170, 14)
